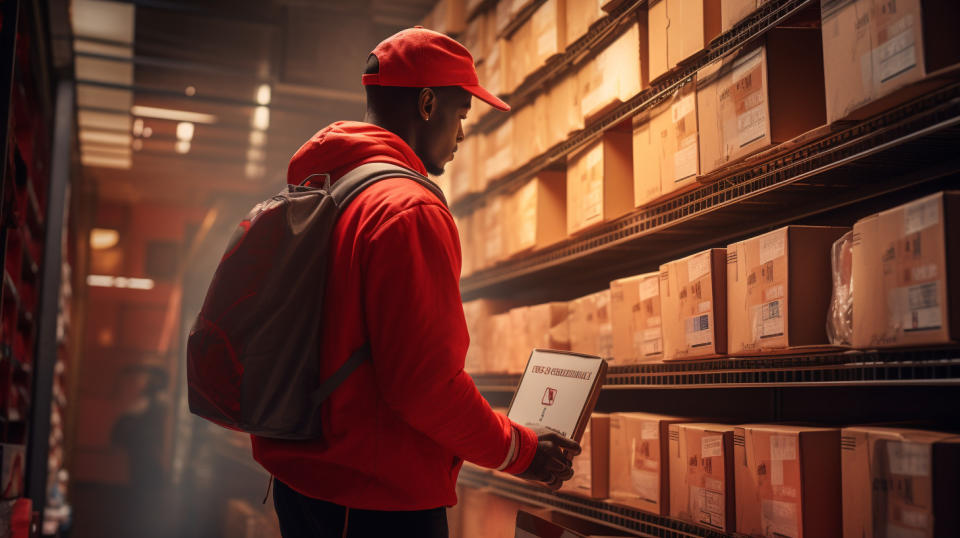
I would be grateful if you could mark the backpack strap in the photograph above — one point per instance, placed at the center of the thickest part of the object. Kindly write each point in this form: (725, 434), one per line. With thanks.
(343, 192)
(355, 181)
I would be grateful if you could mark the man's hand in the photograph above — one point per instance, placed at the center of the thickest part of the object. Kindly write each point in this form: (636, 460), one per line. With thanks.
(550, 464)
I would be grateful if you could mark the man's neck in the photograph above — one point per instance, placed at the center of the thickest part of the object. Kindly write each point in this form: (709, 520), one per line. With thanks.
(405, 133)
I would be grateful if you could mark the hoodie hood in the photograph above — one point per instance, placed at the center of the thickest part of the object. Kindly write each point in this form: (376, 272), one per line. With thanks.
(344, 145)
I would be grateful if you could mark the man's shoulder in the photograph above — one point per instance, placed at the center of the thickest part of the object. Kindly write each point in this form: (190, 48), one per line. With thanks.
(384, 201)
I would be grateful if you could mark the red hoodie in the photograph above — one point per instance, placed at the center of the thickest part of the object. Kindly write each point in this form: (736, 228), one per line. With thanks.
(397, 430)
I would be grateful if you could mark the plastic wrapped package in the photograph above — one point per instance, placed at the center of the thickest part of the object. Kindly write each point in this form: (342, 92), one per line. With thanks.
(840, 315)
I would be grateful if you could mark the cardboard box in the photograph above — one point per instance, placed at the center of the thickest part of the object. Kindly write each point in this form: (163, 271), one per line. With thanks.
(874, 50)
(671, 43)
(486, 515)
(667, 148)
(540, 210)
(580, 15)
(549, 326)
(590, 329)
(614, 75)
(498, 346)
(474, 37)
(462, 170)
(635, 319)
(591, 469)
(639, 466)
(563, 99)
(900, 482)
(494, 232)
(517, 340)
(506, 11)
(477, 238)
(493, 71)
(478, 314)
(787, 480)
(701, 474)
(778, 289)
(759, 97)
(449, 16)
(464, 231)
(905, 290)
(600, 182)
(693, 302)
(497, 153)
(538, 39)
(734, 11)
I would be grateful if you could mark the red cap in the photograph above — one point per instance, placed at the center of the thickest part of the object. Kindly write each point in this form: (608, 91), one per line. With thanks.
(421, 58)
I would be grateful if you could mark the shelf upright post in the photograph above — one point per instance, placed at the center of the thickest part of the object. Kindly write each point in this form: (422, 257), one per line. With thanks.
(46, 349)
(10, 13)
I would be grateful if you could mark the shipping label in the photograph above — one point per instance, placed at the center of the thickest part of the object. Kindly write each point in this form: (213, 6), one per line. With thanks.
(746, 90)
(649, 288)
(698, 331)
(783, 447)
(711, 446)
(909, 459)
(897, 53)
(917, 308)
(650, 430)
(767, 320)
(920, 215)
(648, 342)
(686, 159)
(772, 246)
(707, 506)
(779, 518)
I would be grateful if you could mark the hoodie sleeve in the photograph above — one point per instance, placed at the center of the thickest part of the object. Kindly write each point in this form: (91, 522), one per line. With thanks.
(419, 339)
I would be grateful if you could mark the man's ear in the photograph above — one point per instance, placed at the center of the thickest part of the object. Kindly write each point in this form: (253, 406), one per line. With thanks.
(427, 103)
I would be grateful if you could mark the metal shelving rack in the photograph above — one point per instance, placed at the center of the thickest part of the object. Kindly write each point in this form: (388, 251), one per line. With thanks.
(833, 175)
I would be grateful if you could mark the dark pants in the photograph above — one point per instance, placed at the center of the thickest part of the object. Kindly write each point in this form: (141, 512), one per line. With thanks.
(303, 517)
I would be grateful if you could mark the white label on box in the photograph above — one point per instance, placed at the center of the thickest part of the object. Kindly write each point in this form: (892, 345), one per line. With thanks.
(703, 307)
(920, 215)
(654, 321)
(650, 430)
(776, 472)
(772, 246)
(783, 447)
(916, 308)
(767, 320)
(649, 287)
(547, 43)
(925, 272)
(752, 124)
(917, 519)
(698, 331)
(707, 506)
(773, 292)
(711, 446)
(650, 342)
(911, 459)
(646, 484)
(899, 53)
(698, 265)
(779, 518)
(685, 159)
(683, 107)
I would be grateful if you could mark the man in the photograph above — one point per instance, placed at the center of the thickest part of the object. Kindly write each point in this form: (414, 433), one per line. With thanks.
(398, 429)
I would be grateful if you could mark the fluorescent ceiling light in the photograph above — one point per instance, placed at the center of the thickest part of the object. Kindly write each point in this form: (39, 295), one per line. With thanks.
(261, 118)
(111, 121)
(137, 127)
(254, 170)
(263, 94)
(105, 162)
(105, 137)
(258, 138)
(185, 131)
(147, 132)
(103, 238)
(107, 281)
(110, 21)
(182, 146)
(109, 150)
(255, 155)
(171, 114)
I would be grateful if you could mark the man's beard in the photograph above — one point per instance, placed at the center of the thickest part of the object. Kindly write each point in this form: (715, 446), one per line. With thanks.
(433, 169)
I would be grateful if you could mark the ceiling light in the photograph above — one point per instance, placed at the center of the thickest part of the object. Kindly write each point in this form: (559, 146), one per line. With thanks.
(103, 238)
(104, 161)
(105, 137)
(137, 144)
(258, 138)
(171, 114)
(263, 94)
(255, 155)
(89, 148)
(183, 146)
(147, 132)
(254, 170)
(190, 91)
(261, 118)
(107, 281)
(137, 127)
(185, 131)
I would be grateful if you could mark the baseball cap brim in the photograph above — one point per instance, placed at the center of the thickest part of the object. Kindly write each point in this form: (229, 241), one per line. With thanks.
(481, 93)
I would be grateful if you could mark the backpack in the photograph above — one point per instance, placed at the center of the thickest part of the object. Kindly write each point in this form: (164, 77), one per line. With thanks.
(253, 353)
